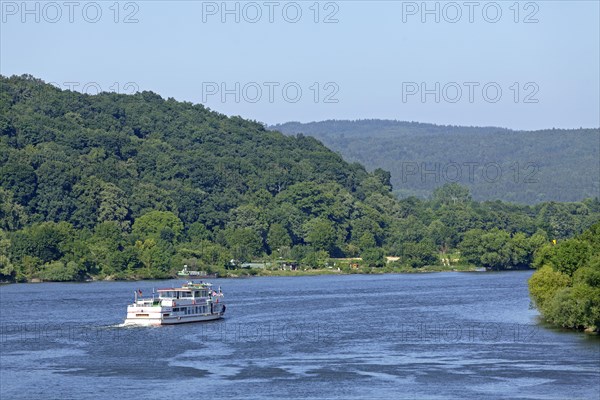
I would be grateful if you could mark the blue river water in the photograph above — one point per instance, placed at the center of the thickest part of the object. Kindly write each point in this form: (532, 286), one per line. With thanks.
(415, 336)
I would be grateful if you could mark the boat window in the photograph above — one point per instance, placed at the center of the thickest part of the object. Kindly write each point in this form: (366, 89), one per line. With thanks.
(197, 293)
(186, 294)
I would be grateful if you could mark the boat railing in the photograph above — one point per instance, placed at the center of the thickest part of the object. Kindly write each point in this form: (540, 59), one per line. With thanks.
(147, 302)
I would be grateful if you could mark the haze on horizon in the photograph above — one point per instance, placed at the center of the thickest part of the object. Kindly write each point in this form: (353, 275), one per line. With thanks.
(518, 65)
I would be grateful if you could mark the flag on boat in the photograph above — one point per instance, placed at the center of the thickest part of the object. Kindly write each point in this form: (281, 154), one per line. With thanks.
(139, 292)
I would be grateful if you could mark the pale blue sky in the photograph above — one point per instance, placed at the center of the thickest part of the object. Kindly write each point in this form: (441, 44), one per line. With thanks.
(370, 61)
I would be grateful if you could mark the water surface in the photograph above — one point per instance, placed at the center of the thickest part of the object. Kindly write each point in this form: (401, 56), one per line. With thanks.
(417, 336)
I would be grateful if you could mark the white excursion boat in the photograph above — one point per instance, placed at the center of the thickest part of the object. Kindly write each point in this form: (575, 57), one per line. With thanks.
(192, 302)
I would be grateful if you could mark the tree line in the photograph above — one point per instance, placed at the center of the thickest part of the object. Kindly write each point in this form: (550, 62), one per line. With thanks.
(135, 186)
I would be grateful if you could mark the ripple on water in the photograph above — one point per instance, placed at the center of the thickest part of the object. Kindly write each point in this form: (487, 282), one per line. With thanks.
(434, 336)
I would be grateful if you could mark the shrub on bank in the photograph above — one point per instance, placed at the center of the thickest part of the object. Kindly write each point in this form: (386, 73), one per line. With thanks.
(566, 289)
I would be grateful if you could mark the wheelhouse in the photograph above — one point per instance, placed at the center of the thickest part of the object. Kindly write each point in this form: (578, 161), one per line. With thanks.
(189, 291)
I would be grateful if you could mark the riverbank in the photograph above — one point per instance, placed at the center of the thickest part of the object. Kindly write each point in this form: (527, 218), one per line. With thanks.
(247, 273)
(363, 271)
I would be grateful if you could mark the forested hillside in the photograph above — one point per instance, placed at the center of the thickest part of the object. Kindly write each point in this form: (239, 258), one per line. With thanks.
(134, 186)
(495, 163)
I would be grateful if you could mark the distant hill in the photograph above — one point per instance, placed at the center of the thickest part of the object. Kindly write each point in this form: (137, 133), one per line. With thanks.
(495, 163)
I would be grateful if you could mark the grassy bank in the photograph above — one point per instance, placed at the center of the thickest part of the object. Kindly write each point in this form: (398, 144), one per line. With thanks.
(245, 273)
(364, 270)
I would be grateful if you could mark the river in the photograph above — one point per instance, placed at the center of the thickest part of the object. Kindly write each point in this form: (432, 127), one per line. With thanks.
(397, 336)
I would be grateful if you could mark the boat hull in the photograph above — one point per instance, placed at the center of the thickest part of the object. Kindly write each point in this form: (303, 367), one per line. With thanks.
(184, 319)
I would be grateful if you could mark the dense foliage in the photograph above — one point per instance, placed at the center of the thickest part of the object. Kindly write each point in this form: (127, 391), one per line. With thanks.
(566, 288)
(135, 186)
(495, 163)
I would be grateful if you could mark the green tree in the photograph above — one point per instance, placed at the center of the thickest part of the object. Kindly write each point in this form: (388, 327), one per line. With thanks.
(278, 237)
(158, 225)
(19, 179)
(440, 234)
(243, 243)
(320, 233)
(250, 217)
(106, 246)
(7, 270)
(367, 228)
(60, 271)
(367, 241)
(205, 255)
(12, 215)
(520, 249)
(197, 232)
(570, 255)
(316, 258)
(545, 283)
(557, 220)
(576, 307)
(47, 241)
(496, 249)
(373, 257)
(567, 289)
(153, 257)
(590, 274)
(384, 177)
(419, 254)
(451, 193)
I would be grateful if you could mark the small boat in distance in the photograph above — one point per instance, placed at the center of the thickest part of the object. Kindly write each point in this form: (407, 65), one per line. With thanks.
(196, 274)
(192, 302)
